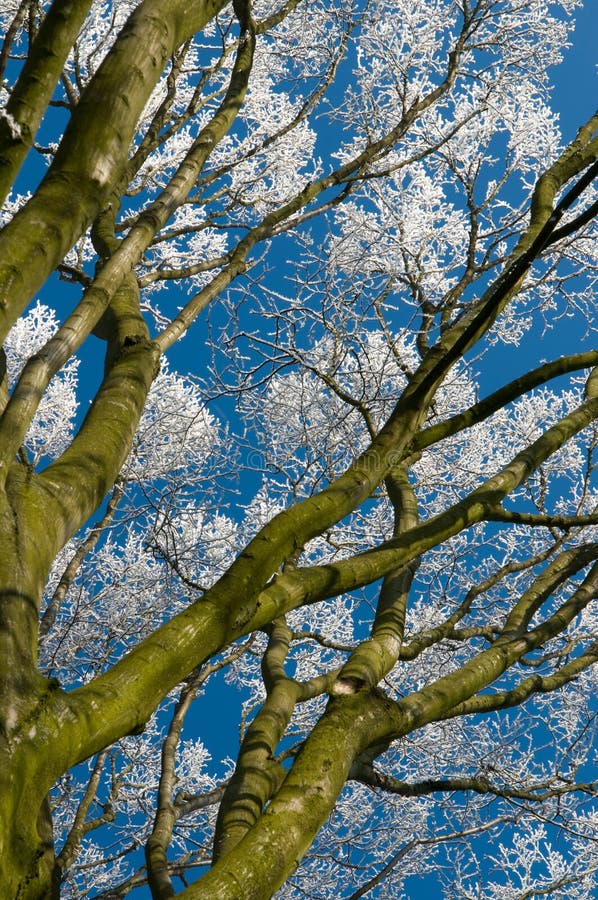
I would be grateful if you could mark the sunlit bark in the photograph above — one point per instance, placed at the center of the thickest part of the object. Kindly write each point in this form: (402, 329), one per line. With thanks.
(274, 805)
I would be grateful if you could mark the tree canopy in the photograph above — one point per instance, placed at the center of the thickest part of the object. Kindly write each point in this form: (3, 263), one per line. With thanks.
(280, 421)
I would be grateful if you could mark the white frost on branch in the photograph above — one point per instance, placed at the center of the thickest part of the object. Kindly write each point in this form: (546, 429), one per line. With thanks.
(52, 427)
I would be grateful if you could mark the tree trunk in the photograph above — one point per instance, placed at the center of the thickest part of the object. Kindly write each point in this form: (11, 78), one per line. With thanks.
(26, 843)
(26, 769)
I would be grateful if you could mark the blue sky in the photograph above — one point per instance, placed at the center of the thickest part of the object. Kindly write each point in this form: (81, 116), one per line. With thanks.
(576, 80)
(575, 98)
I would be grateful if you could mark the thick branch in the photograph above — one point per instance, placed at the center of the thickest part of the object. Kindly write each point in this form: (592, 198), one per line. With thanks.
(114, 282)
(528, 687)
(366, 774)
(32, 92)
(505, 395)
(94, 149)
(125, 696)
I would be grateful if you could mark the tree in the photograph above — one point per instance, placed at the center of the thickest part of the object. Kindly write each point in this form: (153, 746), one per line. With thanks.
(391, 547)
